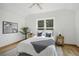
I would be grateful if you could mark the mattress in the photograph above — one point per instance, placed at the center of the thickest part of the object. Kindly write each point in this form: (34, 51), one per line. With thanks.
(26, 47)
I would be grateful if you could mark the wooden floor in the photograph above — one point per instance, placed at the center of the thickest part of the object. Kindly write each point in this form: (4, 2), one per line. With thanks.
(68, 50)
(9, 47)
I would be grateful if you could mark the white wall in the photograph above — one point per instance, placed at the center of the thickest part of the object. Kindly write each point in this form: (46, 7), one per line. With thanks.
(77, 27)
(64, 23)
(8, 15)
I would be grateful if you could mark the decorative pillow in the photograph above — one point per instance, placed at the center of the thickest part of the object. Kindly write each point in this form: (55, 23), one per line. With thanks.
(48, 34)
(39, 34)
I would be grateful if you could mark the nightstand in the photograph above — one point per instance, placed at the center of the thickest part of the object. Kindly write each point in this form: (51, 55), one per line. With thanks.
(60, 40)
(29, 35)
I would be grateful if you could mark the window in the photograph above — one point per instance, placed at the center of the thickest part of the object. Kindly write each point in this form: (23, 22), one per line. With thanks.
(41, 25)
(49, 24)
(45, 24)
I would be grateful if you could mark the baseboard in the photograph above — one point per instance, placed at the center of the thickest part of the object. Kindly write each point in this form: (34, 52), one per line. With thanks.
(72, 45)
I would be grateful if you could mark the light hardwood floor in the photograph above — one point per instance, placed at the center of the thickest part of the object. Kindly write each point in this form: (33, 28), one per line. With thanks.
(68, 50)
(9, 47)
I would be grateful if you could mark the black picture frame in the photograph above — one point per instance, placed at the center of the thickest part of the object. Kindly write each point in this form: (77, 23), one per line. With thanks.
(9, 27)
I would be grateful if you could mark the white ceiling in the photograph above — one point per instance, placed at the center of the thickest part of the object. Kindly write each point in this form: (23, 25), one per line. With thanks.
(24, 7)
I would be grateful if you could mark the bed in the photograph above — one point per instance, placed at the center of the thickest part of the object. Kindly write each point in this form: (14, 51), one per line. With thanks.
(27, 47)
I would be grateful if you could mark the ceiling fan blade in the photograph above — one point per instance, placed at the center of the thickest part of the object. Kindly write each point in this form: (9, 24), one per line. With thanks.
(39, 6)
(32, 5)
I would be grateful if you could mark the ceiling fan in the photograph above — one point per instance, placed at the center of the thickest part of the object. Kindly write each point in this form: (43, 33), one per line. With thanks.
(35, 4)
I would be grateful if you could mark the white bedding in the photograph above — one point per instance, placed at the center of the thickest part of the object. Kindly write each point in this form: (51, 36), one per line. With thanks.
(26, 46)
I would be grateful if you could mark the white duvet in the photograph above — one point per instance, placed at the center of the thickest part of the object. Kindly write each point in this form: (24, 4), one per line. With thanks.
(26, 46)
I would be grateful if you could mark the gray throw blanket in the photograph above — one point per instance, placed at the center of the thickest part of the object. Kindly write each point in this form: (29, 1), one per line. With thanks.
(41, 45)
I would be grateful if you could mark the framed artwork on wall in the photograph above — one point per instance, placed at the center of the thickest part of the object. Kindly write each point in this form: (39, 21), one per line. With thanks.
(9, 27)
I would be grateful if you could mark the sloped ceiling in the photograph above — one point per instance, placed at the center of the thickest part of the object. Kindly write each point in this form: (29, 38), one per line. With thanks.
(23, 8)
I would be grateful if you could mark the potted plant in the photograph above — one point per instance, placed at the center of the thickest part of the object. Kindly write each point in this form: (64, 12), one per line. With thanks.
(24, 31)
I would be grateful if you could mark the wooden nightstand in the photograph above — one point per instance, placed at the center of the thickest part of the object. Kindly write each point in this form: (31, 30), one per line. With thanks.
(60, 40)
(29, 35)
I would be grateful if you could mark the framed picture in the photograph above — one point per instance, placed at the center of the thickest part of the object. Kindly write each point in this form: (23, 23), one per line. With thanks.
(9, 27)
